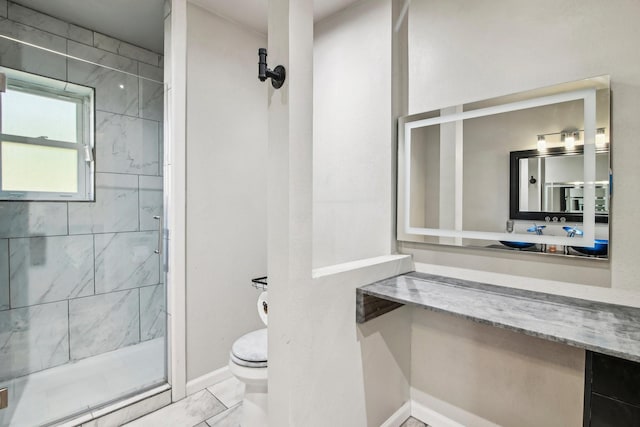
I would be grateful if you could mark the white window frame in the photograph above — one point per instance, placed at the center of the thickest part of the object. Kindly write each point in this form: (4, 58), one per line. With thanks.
(83, 97)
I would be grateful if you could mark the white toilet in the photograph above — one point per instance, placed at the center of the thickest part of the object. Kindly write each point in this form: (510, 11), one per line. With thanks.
(248, 363)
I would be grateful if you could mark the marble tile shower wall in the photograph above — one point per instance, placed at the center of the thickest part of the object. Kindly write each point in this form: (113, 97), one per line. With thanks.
(81, 278)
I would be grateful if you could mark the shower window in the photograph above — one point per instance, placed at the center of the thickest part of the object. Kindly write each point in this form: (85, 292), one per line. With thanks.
(46, 144)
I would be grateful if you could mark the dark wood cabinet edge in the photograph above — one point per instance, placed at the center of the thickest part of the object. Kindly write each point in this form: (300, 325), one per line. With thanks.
(588, 376)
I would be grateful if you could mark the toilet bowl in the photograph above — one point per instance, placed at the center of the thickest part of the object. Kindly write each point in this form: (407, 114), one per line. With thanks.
(248, 363)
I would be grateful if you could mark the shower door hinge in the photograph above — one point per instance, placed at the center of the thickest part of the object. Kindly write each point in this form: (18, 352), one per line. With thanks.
(4, 398)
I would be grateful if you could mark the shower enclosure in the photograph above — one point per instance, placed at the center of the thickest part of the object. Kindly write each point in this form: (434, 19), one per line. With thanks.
(82, 277)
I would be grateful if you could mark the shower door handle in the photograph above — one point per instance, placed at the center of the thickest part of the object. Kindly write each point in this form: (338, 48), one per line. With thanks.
(159, 219)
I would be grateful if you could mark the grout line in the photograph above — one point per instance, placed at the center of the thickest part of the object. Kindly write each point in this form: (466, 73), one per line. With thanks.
(127, 174)
(71, 235)
(138, 90)
(149, 286)
(69, 24)
(139, 316)
(140, 93)
(94, 264)
(10, 18)
(139, 225)
(9, 272)
(86, 61)
(69, 327)
(66, 63)
(129, 115)
(226, 408)
(121, 42)
(115, 290)
(81, 297)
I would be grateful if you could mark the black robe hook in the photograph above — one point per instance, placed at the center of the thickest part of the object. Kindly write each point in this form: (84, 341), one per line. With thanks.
(276, 75)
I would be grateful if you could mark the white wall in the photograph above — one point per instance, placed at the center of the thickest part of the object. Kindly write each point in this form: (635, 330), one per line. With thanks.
(226, 187)
(463, 51)
(324, 369)
(352, 130)
(342, 373)
(569, 169)
(425, 173)
(478, 374)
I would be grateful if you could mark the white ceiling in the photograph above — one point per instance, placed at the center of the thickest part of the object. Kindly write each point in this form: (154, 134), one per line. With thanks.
(140, 22)
(253, 13)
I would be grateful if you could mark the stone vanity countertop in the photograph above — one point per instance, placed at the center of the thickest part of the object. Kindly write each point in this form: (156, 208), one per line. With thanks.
(597, 326)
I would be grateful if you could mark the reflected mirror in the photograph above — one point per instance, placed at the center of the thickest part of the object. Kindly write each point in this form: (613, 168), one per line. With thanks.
(525, 171)
(549, 183)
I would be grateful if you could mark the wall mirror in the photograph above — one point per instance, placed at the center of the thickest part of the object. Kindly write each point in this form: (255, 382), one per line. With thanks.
(527, 171)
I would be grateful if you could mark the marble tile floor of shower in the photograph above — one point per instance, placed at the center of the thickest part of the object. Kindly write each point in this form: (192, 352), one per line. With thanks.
(216, 406)
(49, 395)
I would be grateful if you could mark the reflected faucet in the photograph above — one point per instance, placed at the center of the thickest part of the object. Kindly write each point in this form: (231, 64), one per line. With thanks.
(572, 231)
(536, 229)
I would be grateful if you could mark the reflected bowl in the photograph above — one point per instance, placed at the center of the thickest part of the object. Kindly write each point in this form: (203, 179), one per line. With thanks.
(517, 245)
(601, 247)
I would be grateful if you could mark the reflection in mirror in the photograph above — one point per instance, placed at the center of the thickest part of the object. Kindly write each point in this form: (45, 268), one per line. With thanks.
(550, 183)
(456, 173)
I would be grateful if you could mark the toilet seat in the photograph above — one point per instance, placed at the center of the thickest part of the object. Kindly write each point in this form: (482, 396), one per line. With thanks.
(250, 350)
(246, 363)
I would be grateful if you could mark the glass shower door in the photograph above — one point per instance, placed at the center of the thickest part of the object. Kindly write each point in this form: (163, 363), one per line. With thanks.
(82, 288)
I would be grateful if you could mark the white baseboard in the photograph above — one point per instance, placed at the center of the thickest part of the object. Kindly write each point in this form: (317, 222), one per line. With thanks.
(399, 416)
(420, 413)
(207, 380)
(431, 417)
(438, 413)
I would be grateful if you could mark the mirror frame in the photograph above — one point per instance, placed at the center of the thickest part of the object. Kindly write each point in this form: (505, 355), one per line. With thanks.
(587, 93)
(514, 185)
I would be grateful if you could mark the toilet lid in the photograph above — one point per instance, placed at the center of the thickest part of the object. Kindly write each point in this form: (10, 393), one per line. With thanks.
(251, 348)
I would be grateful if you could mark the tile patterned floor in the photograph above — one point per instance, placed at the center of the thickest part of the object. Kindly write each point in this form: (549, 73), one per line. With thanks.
(229, 392)
(217, 406)
(412, 422)
(228, 418)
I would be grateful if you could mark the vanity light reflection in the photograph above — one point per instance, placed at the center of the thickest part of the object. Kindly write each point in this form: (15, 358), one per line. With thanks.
(601, 138)
(569, 139)
(572, 138)
(542, 143)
